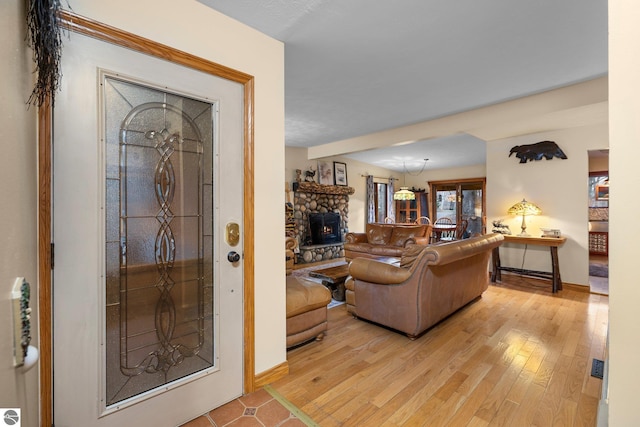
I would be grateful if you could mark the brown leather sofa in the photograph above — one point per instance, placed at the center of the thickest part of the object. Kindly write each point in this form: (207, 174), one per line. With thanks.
(385, 240)
(428, 284)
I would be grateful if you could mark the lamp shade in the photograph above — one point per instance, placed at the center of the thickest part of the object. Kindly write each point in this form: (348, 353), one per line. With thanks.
(404, 194)
(524, 208)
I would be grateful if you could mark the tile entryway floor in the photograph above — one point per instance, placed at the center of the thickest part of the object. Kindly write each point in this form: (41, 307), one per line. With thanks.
(258, 409)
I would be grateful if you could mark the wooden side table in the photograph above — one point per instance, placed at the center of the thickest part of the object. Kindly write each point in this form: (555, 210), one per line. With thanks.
(551, 242)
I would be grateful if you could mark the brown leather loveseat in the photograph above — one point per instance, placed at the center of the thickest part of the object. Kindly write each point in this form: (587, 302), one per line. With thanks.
(429, 284)
(385, 240)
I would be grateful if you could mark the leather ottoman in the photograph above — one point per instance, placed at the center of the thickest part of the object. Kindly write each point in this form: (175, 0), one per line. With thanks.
(306, 310)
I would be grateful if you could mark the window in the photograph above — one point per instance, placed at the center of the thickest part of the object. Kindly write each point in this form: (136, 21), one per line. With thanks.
(381, 201)
(460, 200)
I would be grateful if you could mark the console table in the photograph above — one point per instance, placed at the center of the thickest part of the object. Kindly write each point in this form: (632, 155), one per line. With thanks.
(551, 242)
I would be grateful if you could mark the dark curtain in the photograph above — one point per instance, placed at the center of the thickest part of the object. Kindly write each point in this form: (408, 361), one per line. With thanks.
(371, 204)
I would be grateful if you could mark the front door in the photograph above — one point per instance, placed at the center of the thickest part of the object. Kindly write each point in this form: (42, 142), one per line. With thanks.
(147, 203)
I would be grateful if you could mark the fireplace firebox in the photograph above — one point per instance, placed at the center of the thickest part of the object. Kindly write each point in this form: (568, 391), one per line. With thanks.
(325, 228)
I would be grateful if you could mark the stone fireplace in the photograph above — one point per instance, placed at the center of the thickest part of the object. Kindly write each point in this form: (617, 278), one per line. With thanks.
(321, 214)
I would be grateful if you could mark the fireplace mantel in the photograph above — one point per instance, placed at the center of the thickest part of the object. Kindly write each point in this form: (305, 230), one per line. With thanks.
(313, 187)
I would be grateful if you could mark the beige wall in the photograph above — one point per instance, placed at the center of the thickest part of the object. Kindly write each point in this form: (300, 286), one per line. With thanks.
(558, 187)
(296, 158)
(18, 223)
(422, 180)
(624, 107)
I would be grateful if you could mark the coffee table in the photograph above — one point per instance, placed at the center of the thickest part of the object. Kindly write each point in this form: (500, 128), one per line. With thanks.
(333, 278)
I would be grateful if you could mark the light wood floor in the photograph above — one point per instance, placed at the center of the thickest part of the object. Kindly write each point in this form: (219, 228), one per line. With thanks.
(519, 356)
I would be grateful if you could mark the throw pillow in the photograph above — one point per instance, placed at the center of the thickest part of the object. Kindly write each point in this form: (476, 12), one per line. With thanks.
(410, 255)
(378, 234)
(400, 235)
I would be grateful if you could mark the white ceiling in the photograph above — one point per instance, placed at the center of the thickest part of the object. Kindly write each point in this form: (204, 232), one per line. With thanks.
(357, 67)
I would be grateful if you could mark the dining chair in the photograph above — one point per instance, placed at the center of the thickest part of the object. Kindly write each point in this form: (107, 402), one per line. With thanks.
(461, 228)
(447, 232)
(445, 220)
(423, 220)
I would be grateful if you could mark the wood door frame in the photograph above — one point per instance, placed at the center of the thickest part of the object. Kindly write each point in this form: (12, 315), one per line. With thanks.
(103, 32)
(457, 183)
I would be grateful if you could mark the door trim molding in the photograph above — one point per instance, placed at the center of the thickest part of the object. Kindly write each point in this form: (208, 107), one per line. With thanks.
(45, 305)
(125, 39)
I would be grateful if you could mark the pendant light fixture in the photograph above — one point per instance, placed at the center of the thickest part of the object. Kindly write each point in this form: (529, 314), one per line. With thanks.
(404, 193)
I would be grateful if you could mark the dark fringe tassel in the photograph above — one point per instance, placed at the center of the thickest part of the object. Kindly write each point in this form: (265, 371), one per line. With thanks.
(46, 41)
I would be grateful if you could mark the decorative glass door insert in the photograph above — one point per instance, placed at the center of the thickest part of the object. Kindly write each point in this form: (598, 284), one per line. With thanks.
(159, 238)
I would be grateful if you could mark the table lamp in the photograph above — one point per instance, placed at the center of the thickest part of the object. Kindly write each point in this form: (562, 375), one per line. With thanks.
(524, 208)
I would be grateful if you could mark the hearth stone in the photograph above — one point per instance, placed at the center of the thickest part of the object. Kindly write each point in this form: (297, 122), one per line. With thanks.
(315, 253)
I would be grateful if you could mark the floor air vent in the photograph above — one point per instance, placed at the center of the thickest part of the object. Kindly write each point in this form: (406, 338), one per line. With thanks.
(597, 368)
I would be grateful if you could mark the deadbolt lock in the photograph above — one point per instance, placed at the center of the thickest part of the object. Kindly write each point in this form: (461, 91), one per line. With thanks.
(232, 234)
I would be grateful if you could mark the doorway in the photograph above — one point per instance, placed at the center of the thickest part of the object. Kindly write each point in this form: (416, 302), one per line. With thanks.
(598, 188)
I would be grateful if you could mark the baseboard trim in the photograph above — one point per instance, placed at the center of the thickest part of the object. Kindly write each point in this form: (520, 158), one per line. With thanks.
(271, 375)
(546, 282)
(576, 287)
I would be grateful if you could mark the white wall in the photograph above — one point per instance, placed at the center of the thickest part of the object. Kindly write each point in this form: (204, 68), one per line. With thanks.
(558, 187)
(624, 291)
(296, 158)
(192, 27)
(18, 222)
